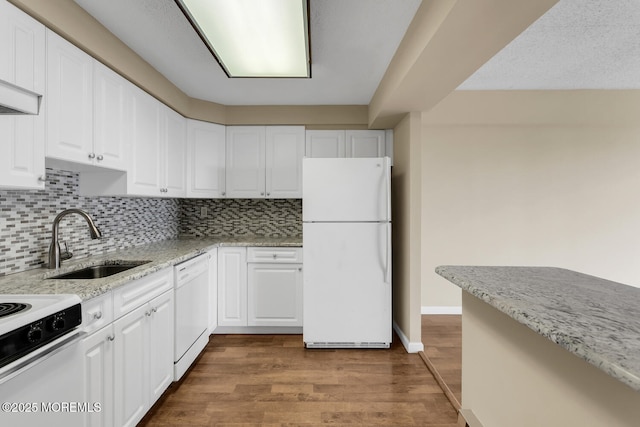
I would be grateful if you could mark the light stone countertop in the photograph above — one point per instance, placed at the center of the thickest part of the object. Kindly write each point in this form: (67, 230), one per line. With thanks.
(596, 319)
(160, 254)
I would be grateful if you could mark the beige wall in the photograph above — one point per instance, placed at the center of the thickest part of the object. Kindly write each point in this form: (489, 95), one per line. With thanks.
(406, 182)
(531, 179)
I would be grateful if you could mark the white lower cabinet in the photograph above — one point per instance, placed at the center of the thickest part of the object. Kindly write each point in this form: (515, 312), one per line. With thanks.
(98, 370)
(128, 364)
(232, 286)
(259, 287)
(143, 367)
(274, 294)
(213, 289)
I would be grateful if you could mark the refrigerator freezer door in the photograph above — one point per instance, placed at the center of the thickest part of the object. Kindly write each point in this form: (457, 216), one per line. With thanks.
(347, 300)
(344, 190)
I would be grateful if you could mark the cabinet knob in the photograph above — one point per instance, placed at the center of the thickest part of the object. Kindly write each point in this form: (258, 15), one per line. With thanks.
(42, 178)
(275, 256)
(224, 194)
(154, 310)
(97, 316)
(92, 155)
(299, 268)
(148, 313)
(111, 337)
(262, 194)
(100, 157)
(268, 194)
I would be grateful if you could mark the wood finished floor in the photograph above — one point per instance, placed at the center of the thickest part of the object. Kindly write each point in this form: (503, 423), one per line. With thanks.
(442, 339)
(271, 380)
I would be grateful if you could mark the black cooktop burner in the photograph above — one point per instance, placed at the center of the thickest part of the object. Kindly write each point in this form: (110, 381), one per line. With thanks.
(9, 308)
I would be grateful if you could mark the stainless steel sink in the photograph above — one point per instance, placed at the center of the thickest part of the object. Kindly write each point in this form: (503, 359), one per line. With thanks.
(99, 271)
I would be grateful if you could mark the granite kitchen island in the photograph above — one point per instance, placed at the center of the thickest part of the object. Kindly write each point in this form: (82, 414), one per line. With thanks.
(547, 347)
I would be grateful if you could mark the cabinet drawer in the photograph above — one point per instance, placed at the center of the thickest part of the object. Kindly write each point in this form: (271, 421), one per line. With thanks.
(97, 312)
(141, 291)
(277, 255)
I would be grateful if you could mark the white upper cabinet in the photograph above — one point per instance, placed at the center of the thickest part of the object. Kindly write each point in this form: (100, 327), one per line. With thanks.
(87, 109)
(175, 153)
(22, 63)
(283, 167)
(144, 177)
(264, 161)
(111, 109)
(158, 156)
(206, 159)
(365, 143)
(325, 143)
(69, 101)
(350, 143)
(245, 161)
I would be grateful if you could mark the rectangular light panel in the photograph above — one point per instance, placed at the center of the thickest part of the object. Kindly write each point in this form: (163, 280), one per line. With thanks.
(254, 38)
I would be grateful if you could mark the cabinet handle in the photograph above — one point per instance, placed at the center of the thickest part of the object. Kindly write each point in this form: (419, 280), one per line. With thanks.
(97, 316)
(42, 178)
(100, 157)
(111, 337)
(92, 155)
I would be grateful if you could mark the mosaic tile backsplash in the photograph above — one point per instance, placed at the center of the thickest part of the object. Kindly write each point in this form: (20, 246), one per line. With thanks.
(241, 217)
(26, 217)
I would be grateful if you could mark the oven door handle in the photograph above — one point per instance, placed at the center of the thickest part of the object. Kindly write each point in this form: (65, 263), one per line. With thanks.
(38, 356)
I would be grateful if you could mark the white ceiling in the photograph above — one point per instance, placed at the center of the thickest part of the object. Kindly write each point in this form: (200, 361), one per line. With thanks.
(577, 44)
(352, 43)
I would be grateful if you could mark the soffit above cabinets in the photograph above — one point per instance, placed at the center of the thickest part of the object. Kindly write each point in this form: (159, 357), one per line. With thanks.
(352, 43)
(577, 44)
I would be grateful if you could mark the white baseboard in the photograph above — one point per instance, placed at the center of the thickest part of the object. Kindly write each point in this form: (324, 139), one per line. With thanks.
(437, 309)
(411, 347)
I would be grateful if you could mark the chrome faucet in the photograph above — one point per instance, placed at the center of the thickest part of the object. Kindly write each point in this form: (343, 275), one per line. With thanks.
(54, 247)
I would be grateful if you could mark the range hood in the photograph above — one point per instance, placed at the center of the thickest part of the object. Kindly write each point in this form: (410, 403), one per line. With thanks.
(16, 100)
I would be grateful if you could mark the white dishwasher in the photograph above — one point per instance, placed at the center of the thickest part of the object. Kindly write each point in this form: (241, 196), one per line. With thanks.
(191, 315)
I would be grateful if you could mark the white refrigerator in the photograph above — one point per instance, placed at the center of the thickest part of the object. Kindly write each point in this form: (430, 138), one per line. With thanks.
(346, 241)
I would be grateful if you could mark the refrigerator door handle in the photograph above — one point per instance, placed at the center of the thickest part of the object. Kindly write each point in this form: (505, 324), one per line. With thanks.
(387, 178)
(387, 269)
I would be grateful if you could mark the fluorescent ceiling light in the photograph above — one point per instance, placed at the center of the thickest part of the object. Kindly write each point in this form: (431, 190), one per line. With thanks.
(254, 38)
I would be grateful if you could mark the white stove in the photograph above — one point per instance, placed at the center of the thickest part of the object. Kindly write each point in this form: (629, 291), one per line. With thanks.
(28, 322)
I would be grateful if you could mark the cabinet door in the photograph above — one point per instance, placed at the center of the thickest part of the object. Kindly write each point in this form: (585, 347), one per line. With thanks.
(131, 379)
(22, 62)
(110, 115)
(365, 143)
(98, 353)
(213, 289)
(245, 154)
(275, 294)
(284, 153)
(161, 328)
(69, 101)
(175, 158)
(206, 150)
(145, 168)
(325, 143)
(232, 286)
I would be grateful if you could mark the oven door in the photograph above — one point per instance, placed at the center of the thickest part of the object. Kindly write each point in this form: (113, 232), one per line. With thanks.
(45, 387)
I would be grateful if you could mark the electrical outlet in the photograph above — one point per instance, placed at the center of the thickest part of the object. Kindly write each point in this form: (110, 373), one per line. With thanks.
(203, 212)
